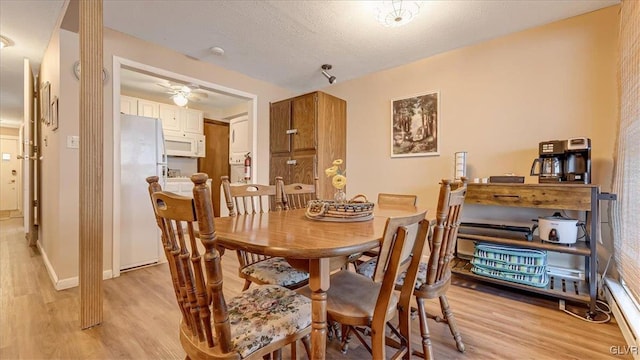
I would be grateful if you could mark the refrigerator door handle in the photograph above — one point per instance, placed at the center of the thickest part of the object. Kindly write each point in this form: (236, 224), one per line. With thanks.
(162, 151)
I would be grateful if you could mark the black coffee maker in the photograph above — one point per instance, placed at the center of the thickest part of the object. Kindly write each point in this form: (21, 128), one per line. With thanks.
(577, 161)
(549, 167)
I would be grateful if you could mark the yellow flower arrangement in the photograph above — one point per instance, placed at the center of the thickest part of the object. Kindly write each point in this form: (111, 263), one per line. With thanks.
(339, 180)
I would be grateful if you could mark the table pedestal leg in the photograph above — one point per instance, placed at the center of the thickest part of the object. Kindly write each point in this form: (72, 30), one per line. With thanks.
(319, 284)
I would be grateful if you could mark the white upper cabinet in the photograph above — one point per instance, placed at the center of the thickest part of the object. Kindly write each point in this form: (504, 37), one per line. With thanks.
(174, 118)
(170, 116)
(128, 105)
(239, 136)
(141, 107)
(148, 108)
(192, 121)
(177, 119)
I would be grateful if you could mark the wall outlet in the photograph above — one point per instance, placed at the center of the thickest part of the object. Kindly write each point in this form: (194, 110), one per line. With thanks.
(73, 142)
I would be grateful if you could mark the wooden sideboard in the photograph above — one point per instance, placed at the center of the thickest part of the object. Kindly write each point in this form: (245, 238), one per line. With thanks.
(580, 197)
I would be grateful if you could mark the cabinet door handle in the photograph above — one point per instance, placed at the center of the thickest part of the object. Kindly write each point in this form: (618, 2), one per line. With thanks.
(292, 162)
(506, 196)
(292, 131)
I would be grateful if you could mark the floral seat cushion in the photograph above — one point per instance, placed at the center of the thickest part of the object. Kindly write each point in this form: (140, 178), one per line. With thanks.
(264, 314)
(276, 271)
(368, 267)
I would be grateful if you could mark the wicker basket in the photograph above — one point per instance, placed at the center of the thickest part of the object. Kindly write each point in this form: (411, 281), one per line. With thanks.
(356, 209)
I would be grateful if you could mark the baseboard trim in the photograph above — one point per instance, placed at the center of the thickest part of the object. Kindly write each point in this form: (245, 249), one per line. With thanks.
(67, 283)
(47, 264)
(627, 316)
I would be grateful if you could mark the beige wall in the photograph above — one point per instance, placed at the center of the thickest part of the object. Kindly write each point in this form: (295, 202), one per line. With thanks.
(61, 165)
(54, 213)
(9, 131)
(498, 100)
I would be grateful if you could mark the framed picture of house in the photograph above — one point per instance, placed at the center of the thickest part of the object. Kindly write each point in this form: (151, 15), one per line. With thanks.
(54, 113)
(45, 103)
(415, 125)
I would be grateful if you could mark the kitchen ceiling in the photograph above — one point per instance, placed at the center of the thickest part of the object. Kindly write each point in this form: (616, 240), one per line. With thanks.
(281, 42)
(152, 87)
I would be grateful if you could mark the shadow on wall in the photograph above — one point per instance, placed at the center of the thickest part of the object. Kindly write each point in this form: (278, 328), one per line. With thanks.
(509, 162)
(602, 174)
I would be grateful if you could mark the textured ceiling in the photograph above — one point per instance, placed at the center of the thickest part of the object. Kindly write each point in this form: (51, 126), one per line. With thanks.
(286, 42)
(282, 42)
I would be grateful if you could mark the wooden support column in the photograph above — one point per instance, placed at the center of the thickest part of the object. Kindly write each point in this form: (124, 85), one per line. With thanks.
(91, 162)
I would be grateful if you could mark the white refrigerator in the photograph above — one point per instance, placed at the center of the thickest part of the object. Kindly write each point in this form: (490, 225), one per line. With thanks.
(142, 154)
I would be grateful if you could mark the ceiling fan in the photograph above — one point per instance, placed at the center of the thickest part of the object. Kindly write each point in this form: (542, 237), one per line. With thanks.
(181, 94)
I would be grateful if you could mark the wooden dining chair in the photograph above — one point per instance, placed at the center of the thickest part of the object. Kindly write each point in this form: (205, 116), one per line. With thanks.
(434, 276)
(383, 200)
(296, 195)
(259, 268)
(437, 276)
(253, 325)
(360, 304)
(397, 199)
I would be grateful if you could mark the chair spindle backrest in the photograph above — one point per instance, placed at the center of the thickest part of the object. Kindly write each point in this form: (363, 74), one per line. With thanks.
(295, 196)
(445, 231)
(195, 291)
(248, 198)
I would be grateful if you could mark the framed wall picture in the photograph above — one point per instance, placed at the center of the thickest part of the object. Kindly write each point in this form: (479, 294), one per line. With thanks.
(54, 113)
(415, 125)
(45, 103)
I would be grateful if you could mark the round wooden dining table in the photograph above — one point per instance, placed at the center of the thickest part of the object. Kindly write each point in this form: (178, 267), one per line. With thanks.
(292, 235)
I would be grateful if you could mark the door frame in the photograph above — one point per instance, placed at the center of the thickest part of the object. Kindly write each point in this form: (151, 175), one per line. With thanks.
(19, 187)
(118, 63)
(30, 147)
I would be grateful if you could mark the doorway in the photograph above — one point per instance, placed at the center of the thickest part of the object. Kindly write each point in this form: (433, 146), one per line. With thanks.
(10, 177)
(122, 65)
(216, 162)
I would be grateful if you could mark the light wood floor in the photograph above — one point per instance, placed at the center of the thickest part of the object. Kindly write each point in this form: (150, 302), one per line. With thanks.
(141, 318)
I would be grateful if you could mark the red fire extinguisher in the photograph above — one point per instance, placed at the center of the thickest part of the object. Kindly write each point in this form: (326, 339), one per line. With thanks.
(247, 167)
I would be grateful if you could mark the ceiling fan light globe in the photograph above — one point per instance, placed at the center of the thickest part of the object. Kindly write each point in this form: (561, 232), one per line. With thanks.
(180, 99)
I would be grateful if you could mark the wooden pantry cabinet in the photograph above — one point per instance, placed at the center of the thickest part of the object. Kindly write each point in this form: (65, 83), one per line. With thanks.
(307, 133)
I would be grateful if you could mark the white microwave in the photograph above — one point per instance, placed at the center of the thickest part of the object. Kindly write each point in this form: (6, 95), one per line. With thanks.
(184, 144)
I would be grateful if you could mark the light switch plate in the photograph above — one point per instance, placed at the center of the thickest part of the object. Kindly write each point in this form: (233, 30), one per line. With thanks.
(73, 142)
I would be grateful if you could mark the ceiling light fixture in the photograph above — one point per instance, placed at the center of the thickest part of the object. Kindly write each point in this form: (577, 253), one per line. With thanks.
(217, 50)
(394, 13)
(5, 42)
(332, 79)
(180, 99)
